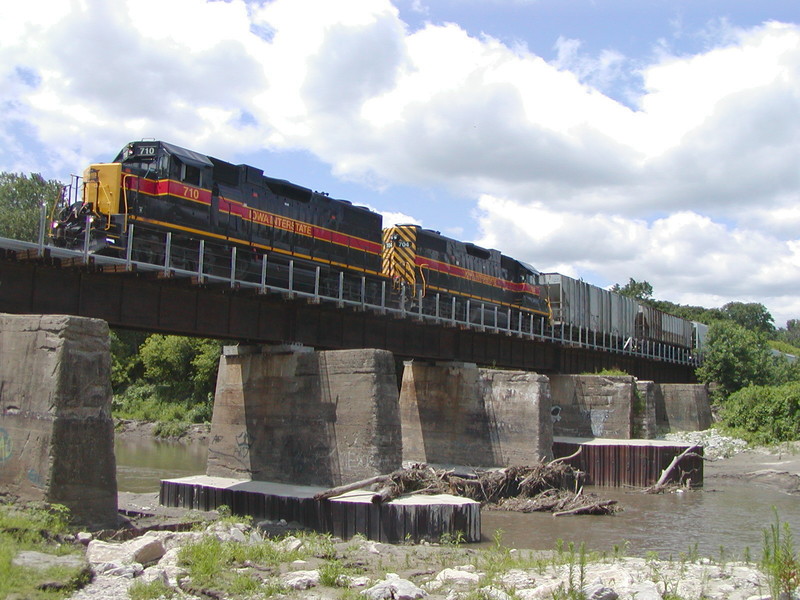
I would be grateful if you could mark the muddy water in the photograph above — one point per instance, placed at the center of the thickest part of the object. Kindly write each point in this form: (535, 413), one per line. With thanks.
(726, 517)
(722, 520)
(143, 463)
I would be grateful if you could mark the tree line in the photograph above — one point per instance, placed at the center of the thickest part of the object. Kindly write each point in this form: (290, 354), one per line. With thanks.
(752, 368)
(748, 362)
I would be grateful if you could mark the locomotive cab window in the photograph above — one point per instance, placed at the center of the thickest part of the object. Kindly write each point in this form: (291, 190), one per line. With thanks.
(190, 174)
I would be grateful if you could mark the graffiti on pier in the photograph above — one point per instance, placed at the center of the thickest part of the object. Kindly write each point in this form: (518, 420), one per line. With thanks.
(6, 446)
(35, 478)
(243, 444)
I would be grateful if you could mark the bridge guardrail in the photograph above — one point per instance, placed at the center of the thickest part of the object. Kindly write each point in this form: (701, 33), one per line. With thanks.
(354, 294)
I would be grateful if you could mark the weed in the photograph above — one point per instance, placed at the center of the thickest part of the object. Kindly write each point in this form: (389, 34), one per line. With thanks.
(272, 587)
(351, 594)
(139, 590)
(779, 560)
(334, 574)
(621, 550)
(452, 540)
(170, 429)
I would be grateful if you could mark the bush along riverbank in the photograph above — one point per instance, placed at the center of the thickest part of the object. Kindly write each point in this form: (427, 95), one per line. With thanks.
(230, 558)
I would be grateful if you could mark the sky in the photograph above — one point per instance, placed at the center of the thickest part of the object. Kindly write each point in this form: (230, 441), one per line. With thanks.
(657, 140)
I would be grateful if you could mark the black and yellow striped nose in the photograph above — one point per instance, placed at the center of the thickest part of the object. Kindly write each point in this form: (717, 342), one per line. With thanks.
(400, 253)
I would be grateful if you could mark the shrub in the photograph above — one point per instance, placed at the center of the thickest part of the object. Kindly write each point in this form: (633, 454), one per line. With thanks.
(764, 414)
(734, 358)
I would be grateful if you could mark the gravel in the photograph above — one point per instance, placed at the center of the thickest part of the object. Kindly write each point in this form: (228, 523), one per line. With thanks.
(715, 445)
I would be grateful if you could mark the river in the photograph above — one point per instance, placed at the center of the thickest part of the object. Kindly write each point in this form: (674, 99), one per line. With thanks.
(722, 520)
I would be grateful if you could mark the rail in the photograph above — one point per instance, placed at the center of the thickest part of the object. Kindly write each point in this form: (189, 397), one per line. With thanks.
(349, 291)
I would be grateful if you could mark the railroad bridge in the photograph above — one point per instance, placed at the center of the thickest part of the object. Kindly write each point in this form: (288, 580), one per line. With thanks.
(157, 296)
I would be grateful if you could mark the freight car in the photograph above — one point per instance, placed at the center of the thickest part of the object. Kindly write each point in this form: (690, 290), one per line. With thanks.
(162, 204)
(594, 316)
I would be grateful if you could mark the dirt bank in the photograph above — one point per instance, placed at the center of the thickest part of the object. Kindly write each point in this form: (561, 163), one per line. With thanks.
(143, 430)
(777, 467)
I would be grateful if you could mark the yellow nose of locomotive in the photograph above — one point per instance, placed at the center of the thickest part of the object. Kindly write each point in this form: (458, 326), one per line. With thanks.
(101, 187)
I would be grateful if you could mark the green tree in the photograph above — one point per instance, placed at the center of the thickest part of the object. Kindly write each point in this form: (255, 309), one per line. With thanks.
(751, 315)
(640, 290)
(734, 358)
(790, 335)
(126, 364)
(185, 367)
(21, 198)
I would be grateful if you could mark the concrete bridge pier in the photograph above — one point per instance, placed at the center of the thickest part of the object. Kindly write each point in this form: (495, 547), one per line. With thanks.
(459, 414)
(56, 431)
(291, 414)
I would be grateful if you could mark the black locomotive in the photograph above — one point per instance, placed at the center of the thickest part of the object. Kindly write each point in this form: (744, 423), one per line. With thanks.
(163, 204)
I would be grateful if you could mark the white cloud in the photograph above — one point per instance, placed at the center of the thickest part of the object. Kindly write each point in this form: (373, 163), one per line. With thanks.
(692, 185)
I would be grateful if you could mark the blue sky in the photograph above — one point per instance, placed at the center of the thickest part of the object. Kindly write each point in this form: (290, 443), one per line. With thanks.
(658, 140)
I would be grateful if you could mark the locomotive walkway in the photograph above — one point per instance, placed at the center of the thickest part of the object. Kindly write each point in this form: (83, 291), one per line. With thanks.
(38, 279)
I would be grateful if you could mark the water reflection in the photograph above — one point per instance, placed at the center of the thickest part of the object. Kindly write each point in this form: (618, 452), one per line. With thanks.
(727, 514)
(142, 464)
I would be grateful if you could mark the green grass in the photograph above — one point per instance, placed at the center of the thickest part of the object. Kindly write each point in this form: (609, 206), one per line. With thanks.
(213, 564)
(139, 590)
(35, 527)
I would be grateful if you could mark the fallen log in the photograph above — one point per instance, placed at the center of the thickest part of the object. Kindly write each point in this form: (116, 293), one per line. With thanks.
(349, 487)
(660, 485)
(601, 507)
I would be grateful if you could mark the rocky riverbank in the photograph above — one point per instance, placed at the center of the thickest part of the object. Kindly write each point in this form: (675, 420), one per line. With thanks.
(315, 567)
(320, 568)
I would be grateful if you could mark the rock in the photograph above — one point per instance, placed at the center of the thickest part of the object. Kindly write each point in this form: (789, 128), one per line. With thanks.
(597, 591)
(541, 592)
(255, 537)
(145, 550)
(394, 589)
(155, 573)
(84, 537)
(457, 577)
(300, 580)
(371, 547)
(516, 579)
(645, 590)
(237, 535)
(99, 552)
(362, 581)
(493, 593)
(71, 568)
(40, 561)
(291, 544)
(299, 564)
(128, 571)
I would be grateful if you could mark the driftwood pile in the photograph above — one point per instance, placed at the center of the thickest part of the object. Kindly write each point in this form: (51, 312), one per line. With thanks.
(553, 487)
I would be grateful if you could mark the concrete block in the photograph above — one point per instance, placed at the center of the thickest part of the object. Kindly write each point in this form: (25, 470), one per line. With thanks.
(311, 418)
(686, 406)
(588, 406)
(461, 415)
(56, 433)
